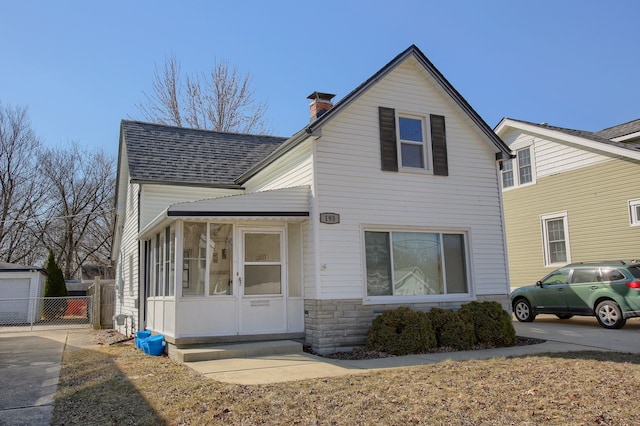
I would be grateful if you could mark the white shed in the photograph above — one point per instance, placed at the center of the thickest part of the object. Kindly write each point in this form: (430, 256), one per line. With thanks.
(20, 288)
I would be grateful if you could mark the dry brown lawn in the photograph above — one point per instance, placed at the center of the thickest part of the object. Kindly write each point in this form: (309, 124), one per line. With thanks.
(120, 385)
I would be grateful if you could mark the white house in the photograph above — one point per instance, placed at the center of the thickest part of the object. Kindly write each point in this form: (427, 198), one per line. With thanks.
(227, 237)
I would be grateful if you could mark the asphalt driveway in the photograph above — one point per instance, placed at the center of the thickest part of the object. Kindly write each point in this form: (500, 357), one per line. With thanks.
(29, 370)
(583, 331)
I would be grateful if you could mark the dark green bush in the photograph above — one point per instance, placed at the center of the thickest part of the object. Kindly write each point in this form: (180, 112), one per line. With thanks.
(55, 285)
(451, 330)
(492, 324)
(401, 331)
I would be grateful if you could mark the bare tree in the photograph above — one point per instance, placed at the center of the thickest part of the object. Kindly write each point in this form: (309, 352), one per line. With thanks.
(78, 225)
(22, 193)
(220, 100)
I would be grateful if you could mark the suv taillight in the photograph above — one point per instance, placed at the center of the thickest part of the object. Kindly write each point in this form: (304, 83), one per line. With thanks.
(634, 284)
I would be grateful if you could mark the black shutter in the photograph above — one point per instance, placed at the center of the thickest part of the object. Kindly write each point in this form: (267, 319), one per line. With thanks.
(388, 144)
(439, 146)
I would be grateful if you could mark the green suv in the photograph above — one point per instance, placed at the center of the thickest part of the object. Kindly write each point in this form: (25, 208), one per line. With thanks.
(608, 290)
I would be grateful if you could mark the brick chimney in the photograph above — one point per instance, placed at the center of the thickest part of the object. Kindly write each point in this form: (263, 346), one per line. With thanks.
(320, 103)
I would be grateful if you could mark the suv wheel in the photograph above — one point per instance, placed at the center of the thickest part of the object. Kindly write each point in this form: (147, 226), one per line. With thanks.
(523, 311)
(609, 314)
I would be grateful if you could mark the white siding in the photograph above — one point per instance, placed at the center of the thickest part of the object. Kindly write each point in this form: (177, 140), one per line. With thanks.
(125, 302)
(293, 199)
(350, 182)
(156, 198)
(295, 168)
(554, 156)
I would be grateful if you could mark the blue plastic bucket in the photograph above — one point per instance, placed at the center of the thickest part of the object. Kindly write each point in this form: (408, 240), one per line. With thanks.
(154, 345)
(140, 337)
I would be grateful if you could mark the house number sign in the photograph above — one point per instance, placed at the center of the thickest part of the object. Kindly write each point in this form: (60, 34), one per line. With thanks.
(330, 218)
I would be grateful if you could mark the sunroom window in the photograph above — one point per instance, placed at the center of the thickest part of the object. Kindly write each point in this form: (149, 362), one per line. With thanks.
(415, 263)
(207, 259)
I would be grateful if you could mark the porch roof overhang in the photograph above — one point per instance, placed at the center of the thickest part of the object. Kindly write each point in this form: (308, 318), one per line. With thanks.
(289, 204)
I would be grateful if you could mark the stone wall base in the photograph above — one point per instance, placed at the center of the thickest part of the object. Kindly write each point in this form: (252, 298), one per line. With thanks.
(333, 325)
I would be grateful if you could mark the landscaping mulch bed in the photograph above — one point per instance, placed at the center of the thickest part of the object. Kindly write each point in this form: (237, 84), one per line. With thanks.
(362, 353)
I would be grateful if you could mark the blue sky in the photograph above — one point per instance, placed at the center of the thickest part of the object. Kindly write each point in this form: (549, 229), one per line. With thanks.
(81, 66)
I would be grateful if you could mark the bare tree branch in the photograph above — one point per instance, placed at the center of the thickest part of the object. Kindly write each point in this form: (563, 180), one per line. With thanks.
(220, 100)
(22, 190)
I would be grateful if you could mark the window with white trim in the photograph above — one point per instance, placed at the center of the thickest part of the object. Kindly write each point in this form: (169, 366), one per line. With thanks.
(634, 212)
(555, 236)
(413, 147)
(415, 263)
(524, 172)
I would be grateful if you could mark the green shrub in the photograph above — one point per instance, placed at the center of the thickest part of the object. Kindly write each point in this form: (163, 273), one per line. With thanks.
(55, 285)
(401, 331)
(492, 324)
(451, 330)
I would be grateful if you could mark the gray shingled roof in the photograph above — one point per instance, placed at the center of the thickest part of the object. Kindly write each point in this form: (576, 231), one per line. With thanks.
(175, 155)
(594, 136)
(620, 130)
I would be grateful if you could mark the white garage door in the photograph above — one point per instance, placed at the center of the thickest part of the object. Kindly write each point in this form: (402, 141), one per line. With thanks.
(14, 300)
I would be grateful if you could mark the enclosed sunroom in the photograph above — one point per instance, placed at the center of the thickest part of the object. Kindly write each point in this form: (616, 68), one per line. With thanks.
(214, 273)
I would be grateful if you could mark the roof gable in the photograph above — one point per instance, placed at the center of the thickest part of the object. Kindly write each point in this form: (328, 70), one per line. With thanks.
(430, 69)
(416, 53)
(174, 155)
(592, 140)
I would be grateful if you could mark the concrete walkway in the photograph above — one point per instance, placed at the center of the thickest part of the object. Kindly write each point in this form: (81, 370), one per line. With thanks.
(29, 371)
(284, 368)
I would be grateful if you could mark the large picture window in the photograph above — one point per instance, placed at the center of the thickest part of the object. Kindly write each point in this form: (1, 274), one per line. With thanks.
(415, 263)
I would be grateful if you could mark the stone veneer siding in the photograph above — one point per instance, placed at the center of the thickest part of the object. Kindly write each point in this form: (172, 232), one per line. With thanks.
(333, 325)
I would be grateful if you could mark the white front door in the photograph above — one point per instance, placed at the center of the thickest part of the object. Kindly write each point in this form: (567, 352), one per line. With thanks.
(262, 280)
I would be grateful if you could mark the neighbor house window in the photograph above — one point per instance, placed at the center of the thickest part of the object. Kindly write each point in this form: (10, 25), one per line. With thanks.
(523, 174)
(555, 234)
(412, 142)
(524, 166)
(507, 173)
(415, 263)
(634, 212)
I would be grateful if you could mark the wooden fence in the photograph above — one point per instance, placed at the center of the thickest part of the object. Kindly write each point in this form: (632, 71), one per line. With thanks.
(104, 296)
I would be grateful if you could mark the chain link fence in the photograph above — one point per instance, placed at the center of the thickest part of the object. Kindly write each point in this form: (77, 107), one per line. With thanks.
(61, 312)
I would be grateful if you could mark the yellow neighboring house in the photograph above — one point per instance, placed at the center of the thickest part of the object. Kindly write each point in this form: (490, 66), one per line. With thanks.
(569, 196)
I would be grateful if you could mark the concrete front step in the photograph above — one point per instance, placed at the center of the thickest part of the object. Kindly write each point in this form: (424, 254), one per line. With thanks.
(234, 350)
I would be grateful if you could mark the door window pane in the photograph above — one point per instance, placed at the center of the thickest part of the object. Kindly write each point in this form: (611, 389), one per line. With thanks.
(262, 279)
(262, 267)
(262, 247)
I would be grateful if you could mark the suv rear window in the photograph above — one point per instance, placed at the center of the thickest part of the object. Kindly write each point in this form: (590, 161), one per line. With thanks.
(613, 275)
(635, 271)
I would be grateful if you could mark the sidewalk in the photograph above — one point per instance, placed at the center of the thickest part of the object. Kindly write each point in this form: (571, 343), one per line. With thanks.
(284, 368)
